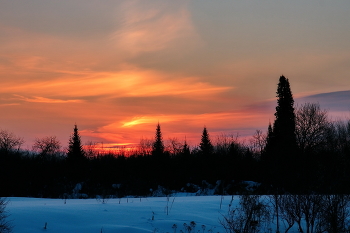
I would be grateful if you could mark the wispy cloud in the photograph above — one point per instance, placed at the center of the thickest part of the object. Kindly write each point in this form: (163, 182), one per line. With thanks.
(154, 26)
(38, 99)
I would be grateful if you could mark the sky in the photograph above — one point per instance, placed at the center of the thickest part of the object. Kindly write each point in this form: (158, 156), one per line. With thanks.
(117, 68)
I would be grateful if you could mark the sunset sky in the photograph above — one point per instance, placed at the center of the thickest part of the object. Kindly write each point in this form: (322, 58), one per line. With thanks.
(117, 68)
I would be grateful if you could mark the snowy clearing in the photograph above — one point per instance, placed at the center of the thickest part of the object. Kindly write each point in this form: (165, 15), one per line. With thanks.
(131, 215)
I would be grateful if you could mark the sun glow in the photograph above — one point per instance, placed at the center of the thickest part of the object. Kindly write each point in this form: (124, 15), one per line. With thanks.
(127, 132)
(134, 122)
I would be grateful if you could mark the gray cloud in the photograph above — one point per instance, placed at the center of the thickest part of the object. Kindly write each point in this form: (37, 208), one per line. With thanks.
(332, 101)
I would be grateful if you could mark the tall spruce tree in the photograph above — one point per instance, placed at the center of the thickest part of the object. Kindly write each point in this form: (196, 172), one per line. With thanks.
(281, 146)
(158, 145)
(284, 125)
(205, 146)
(281, 138)
(75, 148)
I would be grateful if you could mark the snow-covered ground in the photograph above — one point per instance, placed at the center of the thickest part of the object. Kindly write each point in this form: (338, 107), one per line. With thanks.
(131, 215)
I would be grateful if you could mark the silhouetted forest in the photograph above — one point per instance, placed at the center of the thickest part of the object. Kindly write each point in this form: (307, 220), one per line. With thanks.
(302, 152)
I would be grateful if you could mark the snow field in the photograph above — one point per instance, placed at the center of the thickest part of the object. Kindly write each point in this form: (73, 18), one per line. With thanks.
(131, 215)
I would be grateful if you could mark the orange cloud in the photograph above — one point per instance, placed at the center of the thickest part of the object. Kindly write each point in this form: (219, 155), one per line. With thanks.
(122, 84)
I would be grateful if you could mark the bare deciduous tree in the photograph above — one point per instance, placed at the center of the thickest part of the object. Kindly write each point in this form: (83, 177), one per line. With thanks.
(258, 142)
(222, 143)
(173, 146)
(311, 126)
(248, 217)
(334, 216)
(9, 141)
(275, 201)
(338, 137)
(311, 207)
(145, 146)
(310, 212)
(290, 211)
(47, 146)
(91, 149)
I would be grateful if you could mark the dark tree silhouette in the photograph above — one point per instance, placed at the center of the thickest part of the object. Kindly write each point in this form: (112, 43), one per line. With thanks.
(281, 146)
(75, 149)
(186, 149)
(9, 142)
(284, 126)
(47, 146)
(269, 140)
(205, 146)
(312, 125)
(282, 138)
(158, 145)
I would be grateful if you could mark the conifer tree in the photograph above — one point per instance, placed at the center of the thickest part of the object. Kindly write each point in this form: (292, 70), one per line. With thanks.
(281, 147)
(158, 145)
(186, 149)
(205, 146)
(269, 139)
(284, 138)
(75, 149)
(281, 138)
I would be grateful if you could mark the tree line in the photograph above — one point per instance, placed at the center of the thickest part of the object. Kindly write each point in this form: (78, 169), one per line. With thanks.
(302, 152)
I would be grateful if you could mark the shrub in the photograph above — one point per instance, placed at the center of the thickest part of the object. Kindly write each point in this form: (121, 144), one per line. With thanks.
(5, 226)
